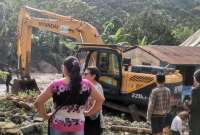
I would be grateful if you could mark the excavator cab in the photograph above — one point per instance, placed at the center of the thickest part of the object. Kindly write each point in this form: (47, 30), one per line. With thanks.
(108, 61)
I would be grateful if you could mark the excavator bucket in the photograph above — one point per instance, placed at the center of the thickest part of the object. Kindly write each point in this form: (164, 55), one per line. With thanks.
(24, 85)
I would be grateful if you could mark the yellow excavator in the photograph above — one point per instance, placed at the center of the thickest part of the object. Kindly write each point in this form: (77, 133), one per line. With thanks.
(126, 86)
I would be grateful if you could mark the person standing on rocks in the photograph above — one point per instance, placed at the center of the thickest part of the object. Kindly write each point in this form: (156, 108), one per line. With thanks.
(8, 80)
(94, 124)
(70, 95)
(194, 107)
(159, 106)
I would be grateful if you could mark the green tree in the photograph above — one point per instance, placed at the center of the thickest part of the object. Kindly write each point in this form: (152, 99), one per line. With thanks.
(112, 30)
(132, 21)
(154, 25)
(181, 33)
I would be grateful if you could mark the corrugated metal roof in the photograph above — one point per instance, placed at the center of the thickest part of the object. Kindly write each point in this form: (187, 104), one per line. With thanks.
(179, 55)
(192, 41)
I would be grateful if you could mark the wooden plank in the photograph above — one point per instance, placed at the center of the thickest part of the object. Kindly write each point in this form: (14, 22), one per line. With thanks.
(131, 109)
(131, 129)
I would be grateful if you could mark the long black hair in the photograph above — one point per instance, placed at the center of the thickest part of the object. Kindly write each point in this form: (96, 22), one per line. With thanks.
(73, 67)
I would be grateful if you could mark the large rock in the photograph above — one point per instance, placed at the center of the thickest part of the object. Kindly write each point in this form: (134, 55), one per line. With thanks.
(45, 67)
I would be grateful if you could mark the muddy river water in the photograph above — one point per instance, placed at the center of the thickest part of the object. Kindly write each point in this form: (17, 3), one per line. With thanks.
(42, 79)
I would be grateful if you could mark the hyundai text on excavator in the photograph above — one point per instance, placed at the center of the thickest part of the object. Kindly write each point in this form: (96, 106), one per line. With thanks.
(126, 86)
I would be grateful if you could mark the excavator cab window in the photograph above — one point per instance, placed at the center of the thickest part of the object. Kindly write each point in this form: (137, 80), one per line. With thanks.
(103, 63)
(109, 64)
(81, 56)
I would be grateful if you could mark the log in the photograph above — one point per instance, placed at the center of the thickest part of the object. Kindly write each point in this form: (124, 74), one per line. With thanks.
(10, 97)
(131, 129)
(22, 104)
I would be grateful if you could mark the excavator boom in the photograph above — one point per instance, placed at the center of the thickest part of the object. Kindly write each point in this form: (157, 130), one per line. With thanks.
(81, 31)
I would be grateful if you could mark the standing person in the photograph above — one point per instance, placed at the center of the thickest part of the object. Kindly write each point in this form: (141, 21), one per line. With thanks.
(94, 124)
(70, 95)
(159, 106)
(195, 109)
(8, 79)
(177, 123)
(187, 102)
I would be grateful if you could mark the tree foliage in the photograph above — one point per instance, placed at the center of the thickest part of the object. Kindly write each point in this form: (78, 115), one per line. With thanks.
(166, 22)
(180, 33)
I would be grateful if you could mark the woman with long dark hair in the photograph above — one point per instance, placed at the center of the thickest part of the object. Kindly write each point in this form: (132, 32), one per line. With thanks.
(70, 95)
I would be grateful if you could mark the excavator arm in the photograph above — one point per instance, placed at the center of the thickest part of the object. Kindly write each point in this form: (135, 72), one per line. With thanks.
(81, 31)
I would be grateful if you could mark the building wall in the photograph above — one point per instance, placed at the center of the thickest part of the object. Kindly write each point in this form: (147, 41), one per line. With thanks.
(140, 57)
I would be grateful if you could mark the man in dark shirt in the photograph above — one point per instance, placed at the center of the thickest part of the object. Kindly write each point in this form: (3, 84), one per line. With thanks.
(195, 109)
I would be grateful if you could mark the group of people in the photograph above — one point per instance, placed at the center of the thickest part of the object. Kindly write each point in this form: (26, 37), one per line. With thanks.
(77, 101)
(158, 112)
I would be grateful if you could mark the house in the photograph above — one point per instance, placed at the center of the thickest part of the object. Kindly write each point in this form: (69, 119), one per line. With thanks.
(185, 59)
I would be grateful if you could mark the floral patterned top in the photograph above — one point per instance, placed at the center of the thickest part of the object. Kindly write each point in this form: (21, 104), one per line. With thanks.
(70, 118)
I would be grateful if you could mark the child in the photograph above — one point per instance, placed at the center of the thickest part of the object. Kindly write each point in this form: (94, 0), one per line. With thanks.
(176, 126)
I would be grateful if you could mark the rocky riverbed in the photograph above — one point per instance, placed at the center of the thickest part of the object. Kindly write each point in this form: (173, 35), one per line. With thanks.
(16, 118)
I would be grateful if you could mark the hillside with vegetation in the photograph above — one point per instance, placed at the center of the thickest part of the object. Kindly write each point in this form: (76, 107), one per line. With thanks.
(136, 22)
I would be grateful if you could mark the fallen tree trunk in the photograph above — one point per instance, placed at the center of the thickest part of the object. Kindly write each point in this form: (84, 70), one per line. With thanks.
(18, 102)
(131, 129)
